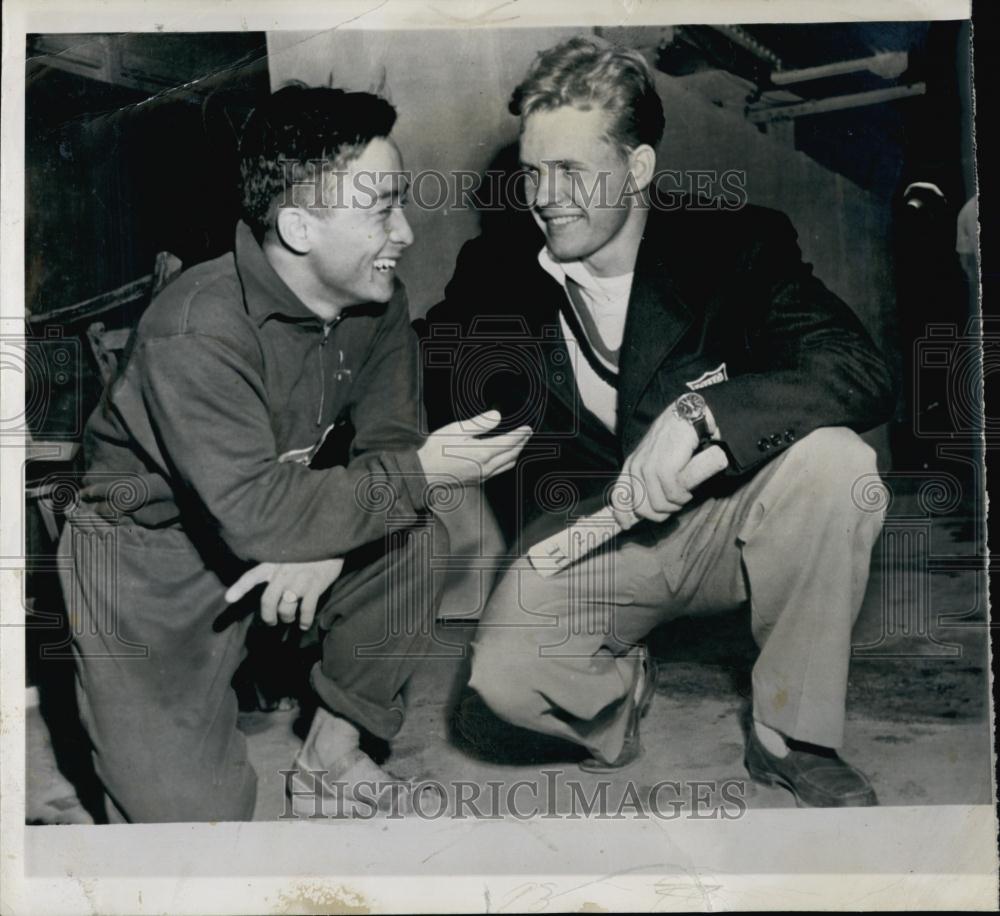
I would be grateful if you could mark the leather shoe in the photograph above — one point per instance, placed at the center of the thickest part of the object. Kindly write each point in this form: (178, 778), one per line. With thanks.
(816, 776)
(645, 687)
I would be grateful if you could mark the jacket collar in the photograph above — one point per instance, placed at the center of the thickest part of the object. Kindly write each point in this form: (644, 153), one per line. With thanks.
(578, 272)
(658, 315)
(265, 293)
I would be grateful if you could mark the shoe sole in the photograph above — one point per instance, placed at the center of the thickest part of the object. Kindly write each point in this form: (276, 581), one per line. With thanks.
(592, 764)
(773, 779)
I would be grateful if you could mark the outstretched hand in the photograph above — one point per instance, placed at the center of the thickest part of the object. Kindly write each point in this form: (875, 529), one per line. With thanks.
(457, 451)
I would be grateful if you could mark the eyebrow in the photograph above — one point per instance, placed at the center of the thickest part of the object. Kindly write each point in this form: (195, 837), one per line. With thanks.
(564, 163)
(395, 194)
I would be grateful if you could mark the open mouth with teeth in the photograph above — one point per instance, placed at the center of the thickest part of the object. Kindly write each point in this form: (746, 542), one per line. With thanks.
(384, 265)
(560, 221)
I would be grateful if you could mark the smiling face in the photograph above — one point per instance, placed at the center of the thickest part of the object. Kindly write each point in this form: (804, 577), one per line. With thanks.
(582, 188)
(354, 244)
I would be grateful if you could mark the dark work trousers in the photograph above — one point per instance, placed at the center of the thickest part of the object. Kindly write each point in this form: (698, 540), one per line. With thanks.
(156, 648)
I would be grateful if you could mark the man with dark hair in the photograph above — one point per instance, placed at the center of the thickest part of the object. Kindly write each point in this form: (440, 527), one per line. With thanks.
(689, 364)
(266, 421)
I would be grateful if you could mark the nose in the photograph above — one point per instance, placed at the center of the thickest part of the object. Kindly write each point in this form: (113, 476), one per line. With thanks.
(400, 232)
(547, 189)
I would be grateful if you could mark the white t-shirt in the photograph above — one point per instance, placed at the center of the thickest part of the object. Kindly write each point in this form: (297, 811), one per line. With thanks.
(606, 299)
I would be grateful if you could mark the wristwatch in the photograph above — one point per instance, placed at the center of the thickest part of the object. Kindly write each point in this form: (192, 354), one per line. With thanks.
(691, 407)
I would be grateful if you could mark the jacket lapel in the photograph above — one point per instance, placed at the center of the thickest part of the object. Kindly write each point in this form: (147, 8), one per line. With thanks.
(657, 318)
(558, 366)
(543, 318)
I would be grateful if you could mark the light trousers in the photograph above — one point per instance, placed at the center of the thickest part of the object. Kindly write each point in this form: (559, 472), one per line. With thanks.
(557, 655)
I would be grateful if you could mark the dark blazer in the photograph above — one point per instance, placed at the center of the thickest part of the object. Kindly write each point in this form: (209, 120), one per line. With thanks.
(713, 290)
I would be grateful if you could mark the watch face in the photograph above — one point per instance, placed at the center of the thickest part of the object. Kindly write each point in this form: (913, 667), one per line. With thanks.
(691, 406)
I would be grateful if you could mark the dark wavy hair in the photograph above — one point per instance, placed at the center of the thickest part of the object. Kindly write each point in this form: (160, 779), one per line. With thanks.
(584, 74)
(287, 137)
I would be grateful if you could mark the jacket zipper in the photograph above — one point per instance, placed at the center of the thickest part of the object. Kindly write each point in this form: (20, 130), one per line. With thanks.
(322, 372)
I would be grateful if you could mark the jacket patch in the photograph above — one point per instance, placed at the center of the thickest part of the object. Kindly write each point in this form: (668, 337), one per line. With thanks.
(305, 455)
(712, 377)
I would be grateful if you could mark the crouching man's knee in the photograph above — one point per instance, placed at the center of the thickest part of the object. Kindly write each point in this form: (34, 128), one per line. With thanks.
(499, 680)
(833, 461)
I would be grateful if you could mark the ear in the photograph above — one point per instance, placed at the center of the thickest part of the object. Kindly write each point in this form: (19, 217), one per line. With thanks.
(642, 163)
(292, 227)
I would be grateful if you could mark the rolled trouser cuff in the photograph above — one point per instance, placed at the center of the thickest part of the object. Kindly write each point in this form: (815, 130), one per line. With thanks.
(382, 721)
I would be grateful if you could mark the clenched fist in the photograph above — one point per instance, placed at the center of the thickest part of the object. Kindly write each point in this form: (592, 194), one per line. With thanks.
(663, 470)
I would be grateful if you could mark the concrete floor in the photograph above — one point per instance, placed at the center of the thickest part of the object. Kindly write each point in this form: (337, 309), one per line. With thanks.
(918, 720)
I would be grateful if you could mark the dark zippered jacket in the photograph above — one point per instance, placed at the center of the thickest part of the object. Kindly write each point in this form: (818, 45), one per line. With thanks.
(722, 303)
(239, 416)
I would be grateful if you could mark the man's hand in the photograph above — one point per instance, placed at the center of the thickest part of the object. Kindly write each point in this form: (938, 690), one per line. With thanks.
(291, 588)
(455, 451)
(660, 474)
